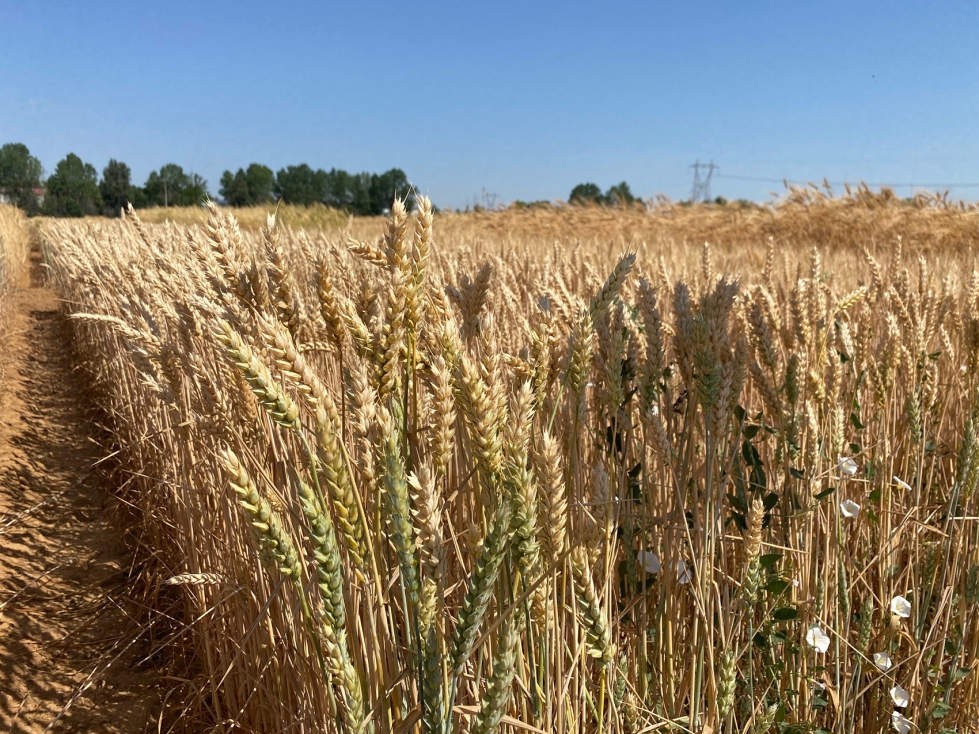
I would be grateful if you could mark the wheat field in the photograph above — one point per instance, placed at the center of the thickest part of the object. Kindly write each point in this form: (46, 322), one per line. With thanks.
(559, 470)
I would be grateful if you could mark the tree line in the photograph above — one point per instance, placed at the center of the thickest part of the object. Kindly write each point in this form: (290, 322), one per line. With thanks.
(590, 193)
(364, 194)
(74, 189)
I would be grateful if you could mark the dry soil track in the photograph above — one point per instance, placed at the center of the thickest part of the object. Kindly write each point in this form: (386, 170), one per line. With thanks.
(63, 562)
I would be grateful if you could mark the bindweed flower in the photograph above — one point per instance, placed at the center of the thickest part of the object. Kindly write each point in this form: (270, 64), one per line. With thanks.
(849, 508)
(683, 572)
(649, 561)
(848, 467)
(901, 607)
(900, 697)
(900, 724)
(883, 661)
(902, 484)
(817, 639)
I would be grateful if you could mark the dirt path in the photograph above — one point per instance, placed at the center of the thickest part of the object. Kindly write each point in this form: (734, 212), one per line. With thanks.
(63, 563)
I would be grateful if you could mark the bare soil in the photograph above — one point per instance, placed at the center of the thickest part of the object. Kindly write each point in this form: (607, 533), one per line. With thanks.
(70, 656)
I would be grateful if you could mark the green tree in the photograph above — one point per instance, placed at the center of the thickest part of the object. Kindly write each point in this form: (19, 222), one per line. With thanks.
(248, 188)
(116, 187)
(586, 193)
(163, 187)
(73, 189)
(171, 186)
(261, 183)
(360, 194)
(196, 192)
(340, 191)
(300, 184)
(234, 188)
(20, 175)
(137, 197)
(385, 186)
(620, 194)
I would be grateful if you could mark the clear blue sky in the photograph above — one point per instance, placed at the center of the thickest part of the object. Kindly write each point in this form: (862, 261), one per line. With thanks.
(525, 99)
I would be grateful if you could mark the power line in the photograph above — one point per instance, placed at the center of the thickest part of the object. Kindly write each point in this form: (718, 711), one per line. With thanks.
(761, 179)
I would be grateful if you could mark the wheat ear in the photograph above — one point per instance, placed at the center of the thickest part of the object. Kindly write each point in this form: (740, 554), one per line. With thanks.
(273, 398)
(498, 691)
(598, 637)
(274, 538)
(480, 592)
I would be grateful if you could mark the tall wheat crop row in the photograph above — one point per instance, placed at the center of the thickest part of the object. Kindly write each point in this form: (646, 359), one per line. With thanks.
(15, 243)
(15, 240)
(408, 484)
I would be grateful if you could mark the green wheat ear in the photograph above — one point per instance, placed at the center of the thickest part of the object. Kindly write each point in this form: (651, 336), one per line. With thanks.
(398, 509)
(597, 634)
(480, 591)
(497, 693)
(272, 397)
(272, 536)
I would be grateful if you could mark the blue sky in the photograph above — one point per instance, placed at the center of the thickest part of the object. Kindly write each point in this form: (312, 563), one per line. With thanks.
(524, 99)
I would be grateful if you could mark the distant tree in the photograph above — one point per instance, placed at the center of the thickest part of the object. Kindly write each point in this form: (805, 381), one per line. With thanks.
(586, 193)
(196, 191)
(300, 184)
(360, 195)
(364, 194)
(20, 175)
(234, 188)
(619, 194)
(171, 186)
(116, 187)
(73, 189)
(340, 190)
(720, 201)
(137, 197)
(164, 187)
(248, 188)
(385, 186)
(261, 183)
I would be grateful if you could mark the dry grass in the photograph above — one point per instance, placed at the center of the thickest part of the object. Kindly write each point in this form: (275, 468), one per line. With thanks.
(253, 218)
(803, 217)
(489, 472)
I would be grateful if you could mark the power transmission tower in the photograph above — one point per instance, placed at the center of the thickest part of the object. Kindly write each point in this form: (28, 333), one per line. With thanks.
(489, 199)
(701, 186)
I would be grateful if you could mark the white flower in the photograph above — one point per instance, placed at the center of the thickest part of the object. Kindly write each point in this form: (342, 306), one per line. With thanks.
(683, 572)
(883, 661)
(902, 484)
(848, 467)
(649, 560)
(653, 411)
(817, 639)
(900, 724)
(849, 508)
(963, 369)
(901, 607)
(900, 697)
